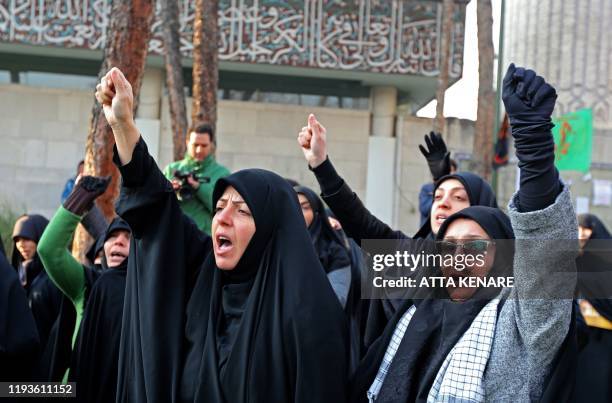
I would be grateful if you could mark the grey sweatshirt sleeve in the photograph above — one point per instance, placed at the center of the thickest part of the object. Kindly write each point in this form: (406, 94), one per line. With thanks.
(534, 321)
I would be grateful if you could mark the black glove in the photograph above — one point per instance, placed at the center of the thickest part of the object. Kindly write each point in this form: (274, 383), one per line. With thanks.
(529, 102)
(528, 99)
(438, 157)
(85, 193)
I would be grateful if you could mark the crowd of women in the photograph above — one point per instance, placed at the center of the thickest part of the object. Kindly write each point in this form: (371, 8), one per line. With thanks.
(269, 308)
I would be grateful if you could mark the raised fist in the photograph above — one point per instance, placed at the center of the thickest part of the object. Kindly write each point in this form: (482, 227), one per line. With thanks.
(312, 139)
(82, 197)
(115, 94)
(527, 97)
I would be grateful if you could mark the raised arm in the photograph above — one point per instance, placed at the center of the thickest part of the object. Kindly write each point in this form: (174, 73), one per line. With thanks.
(63, 269)
(117, 99)
(529, 102)
(539, 312)
(436, 155)
(355, 218)
(166, 253)
(146, 195)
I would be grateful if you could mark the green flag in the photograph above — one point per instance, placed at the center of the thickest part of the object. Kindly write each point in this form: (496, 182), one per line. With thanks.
(573, 135)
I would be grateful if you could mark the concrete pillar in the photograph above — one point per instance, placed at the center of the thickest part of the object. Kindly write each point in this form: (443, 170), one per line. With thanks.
(148, 116)
(384, 110)
(150, 94)
(380, 189)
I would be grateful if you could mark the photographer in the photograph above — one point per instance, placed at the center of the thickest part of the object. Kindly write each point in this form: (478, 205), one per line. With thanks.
(193, 178)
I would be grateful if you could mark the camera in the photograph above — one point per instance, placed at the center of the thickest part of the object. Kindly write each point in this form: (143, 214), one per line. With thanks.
(185, 191)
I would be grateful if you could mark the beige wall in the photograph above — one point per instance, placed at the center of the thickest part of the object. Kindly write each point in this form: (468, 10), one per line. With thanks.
(43, 132)
(264, 135)
(42, 138)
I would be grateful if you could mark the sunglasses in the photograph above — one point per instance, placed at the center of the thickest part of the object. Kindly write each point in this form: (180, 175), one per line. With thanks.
(473, 247)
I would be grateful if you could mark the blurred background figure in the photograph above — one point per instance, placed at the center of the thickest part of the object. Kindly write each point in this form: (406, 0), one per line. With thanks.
(70, 182)
(43, 297)
(594, 267)
(193, 178)
(19, 344)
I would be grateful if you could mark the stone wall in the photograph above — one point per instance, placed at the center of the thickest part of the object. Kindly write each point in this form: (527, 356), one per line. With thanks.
(43, 136)
(264, 135)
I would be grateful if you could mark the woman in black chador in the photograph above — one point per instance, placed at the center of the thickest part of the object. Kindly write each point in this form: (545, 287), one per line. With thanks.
(331, 247)
(19, 345)
(242, 316)
(341, 259)
(594, 266)
(44, 297)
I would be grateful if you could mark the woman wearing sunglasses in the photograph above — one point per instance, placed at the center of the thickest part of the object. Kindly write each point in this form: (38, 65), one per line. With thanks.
(452, 193)
(485, 343)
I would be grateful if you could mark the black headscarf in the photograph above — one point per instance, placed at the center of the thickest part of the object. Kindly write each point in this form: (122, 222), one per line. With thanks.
(95, 249)
(594, 266)
(329, 245)
(96, 352)
(2, 251)
(278, 259)
(334, 255)
(380, 311)
(118, 224)
(437, 325)
(43, 296)
(595, 224)
(290, 343)
(30, 227)
(478, 190)
(19, 343)
(91, 362)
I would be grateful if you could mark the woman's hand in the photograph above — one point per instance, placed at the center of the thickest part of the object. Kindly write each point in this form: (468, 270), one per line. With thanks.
(436, 154)
(529, 102)
(312, 139)
(527, 97)
(117, 99)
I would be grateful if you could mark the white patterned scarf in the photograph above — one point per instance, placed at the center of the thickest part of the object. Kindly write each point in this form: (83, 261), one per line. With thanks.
(459, 379)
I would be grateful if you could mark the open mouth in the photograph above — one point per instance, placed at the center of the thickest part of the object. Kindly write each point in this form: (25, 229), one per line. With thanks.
(118, 255)
(440, 218)
(223, 243)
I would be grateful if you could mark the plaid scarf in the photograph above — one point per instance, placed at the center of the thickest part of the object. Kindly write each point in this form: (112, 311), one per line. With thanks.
(460, 376)
(459, 379)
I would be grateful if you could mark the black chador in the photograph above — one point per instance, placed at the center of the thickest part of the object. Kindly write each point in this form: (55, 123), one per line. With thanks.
(19, 345)
(270, 330)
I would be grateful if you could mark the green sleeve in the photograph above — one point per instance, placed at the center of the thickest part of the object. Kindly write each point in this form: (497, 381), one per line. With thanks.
(205, 191)
(167, 171)
(63, 269)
